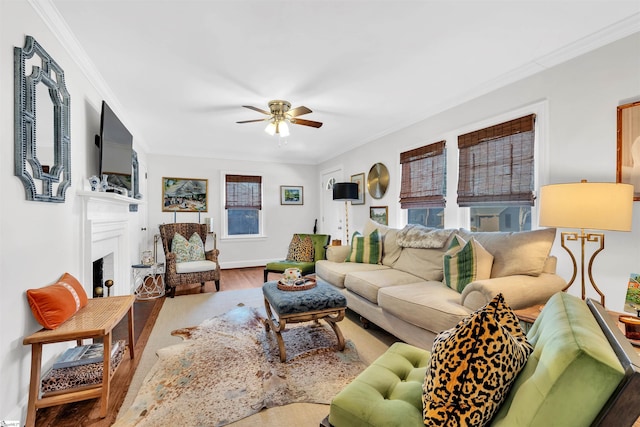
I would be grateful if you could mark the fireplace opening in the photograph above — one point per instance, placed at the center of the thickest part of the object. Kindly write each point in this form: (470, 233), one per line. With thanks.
(103, 272)
(98, 273)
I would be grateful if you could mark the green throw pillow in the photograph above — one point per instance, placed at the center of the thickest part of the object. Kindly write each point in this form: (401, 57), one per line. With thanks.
(465, 262)
(188, 250)
(366, 249)
(473, 366)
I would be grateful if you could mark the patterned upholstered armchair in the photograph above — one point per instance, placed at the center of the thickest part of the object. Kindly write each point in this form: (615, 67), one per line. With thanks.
(186, 273)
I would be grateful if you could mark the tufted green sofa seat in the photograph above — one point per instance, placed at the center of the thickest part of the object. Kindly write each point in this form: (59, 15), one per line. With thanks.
(582, 372)
(320, 242)
(387, 393)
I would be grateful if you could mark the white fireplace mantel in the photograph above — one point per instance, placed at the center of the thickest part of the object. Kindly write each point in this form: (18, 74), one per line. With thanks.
(105, 231)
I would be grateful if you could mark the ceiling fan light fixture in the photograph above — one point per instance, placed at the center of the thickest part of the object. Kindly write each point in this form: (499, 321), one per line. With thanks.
(283, 129)
(270, 129)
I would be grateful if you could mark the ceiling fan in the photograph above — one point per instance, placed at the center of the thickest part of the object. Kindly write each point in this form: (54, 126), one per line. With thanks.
(280, 115)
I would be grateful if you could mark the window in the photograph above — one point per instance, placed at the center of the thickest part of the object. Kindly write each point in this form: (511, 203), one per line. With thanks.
(423, 185)
(496, 175)
(243, 204)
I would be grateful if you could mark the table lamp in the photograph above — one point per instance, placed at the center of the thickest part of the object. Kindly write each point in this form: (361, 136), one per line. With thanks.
(345, 191)
(586, 205)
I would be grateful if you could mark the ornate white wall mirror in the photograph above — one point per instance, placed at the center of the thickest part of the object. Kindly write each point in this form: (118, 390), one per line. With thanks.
(42, 136)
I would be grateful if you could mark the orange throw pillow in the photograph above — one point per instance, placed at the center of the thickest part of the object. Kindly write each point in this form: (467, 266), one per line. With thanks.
(53, 304)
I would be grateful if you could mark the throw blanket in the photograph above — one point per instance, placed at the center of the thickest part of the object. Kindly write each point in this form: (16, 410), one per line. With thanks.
(421, 237)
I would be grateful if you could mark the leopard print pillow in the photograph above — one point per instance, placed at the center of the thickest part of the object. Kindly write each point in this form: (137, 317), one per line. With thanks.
(301, 250)
(473, 366)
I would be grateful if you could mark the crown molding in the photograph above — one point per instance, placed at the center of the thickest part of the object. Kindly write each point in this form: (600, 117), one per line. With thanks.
(610, 34)
(58, 26)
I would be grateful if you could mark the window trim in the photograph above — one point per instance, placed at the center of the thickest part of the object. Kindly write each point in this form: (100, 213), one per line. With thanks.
(457, 217)
(224, 220)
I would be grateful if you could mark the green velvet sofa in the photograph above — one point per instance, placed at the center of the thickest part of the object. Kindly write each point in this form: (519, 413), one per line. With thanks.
(320, 242)
(582, 372)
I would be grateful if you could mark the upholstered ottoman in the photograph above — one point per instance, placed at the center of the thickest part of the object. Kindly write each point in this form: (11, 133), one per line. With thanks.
(320, 302)
(387, 393)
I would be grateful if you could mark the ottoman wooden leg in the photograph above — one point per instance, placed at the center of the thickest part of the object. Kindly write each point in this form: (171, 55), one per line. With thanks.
(277, 326)
(332, 320)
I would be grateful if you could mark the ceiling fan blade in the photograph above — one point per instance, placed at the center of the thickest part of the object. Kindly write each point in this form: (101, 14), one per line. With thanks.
(299, 111)
(257, 109)
(306, 123)
(253, 121)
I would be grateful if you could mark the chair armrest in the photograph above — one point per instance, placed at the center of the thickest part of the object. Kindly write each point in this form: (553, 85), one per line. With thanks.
(212, 255)
(170, 262)
(338, 253)
(519, 291)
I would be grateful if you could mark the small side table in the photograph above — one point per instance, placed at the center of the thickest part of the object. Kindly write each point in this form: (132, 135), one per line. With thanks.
(528, 316)
(148, 281)
(95, 320)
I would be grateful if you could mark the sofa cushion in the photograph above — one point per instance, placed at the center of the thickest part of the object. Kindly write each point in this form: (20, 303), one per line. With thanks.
(428, 305)
(523, 252)
(301, 249)
(368, 283)
(570, 374)
(424, 263)
(387, 393)
(195, 266)
(466, 262)
(335, 272)
(366, 249)
(472, 367)
(52, 305)
(390, 248)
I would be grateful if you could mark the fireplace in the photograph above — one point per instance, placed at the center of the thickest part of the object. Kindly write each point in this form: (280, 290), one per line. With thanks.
(106, 229)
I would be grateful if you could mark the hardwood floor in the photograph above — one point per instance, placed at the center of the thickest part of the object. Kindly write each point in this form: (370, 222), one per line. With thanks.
(86, 413)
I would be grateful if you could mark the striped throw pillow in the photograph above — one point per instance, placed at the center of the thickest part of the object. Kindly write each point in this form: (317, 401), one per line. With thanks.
(366, 249)
(465, 262)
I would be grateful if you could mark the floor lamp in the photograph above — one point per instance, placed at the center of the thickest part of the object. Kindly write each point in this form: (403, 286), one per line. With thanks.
(586, 205)
(345, 191)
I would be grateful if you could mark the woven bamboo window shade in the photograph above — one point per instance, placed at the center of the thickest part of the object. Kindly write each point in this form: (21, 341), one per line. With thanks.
(243, 192)
(496, 165)
(423, 177)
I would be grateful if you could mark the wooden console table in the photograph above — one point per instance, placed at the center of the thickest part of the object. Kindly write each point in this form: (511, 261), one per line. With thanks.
(95, 320)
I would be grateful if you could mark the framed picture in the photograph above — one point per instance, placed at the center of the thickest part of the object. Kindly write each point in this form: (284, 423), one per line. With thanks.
(628, 150)
(359, 179)
(184, 195)
(632, 299)
(291, 195)
(379, 214)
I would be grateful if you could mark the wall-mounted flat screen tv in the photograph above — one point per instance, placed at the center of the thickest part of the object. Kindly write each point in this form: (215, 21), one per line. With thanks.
(116, 149)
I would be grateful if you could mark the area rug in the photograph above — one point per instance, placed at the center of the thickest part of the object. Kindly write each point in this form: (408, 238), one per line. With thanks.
(229, 368)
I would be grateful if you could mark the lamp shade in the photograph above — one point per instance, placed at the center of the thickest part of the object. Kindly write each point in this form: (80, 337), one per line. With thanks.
(345, 191)
(209, 222)
(590, 205)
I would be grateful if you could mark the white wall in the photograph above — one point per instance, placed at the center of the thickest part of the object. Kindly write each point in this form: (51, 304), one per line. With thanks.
(580, 97)
(281, 221)
(38, 241)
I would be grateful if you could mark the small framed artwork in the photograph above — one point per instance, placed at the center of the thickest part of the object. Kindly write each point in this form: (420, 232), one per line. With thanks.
(379, 214)
(359, 179)
(291, 195)
(628, 150)
(632, 299)
(184, 195)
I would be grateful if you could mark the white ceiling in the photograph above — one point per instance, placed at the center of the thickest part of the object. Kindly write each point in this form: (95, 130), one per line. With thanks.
(178, 71)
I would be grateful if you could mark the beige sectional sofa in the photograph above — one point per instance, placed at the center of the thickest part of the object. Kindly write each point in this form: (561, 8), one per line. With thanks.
(405, 294)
